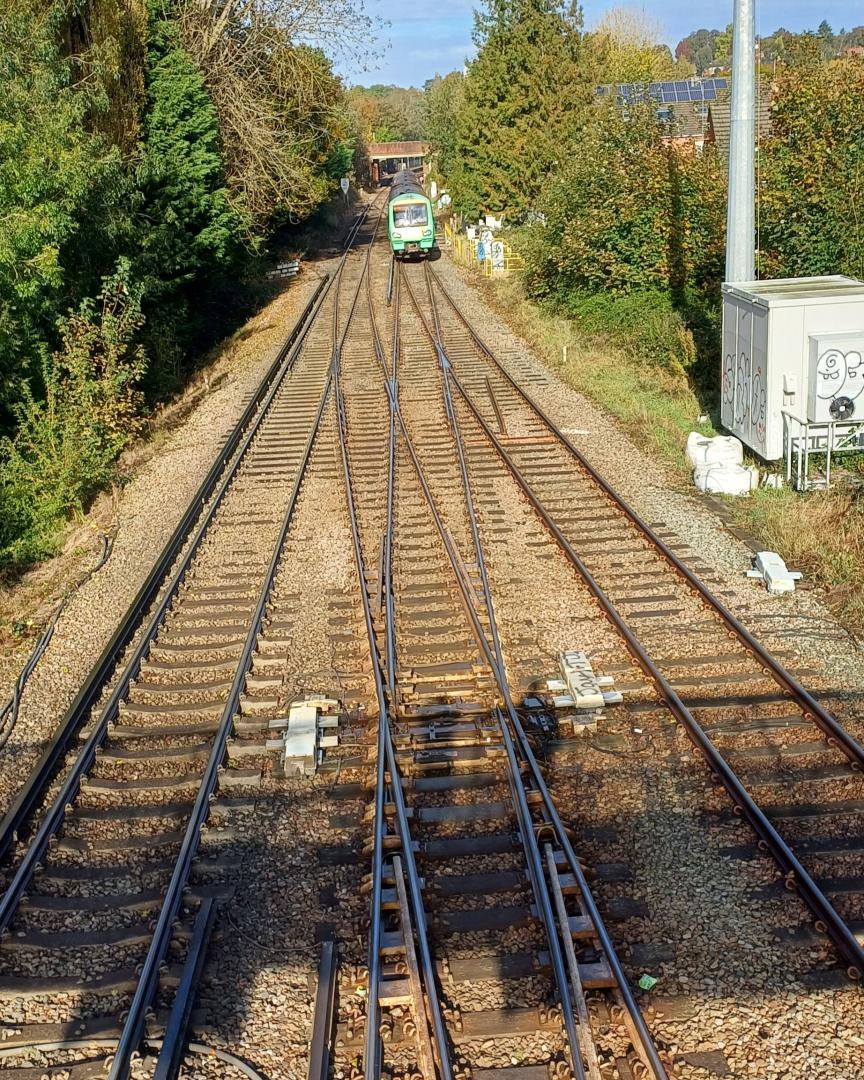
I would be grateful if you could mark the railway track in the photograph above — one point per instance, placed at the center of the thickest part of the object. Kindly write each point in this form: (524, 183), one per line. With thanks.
(488, 957)
(110, 905)
(792, 771)
(486, 948)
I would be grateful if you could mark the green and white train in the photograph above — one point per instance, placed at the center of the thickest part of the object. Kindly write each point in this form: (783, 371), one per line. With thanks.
(410, 225)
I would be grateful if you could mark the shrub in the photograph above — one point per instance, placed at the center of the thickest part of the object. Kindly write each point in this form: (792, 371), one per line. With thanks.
(644, 324)
(66, 445)
(811, 178)
(630, 211)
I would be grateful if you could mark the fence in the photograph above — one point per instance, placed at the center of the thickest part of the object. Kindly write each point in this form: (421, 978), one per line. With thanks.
(494, 258)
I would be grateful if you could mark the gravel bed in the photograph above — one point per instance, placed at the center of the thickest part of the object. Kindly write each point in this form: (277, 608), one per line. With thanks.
(147, 510)
(800, 622)
(747, 994)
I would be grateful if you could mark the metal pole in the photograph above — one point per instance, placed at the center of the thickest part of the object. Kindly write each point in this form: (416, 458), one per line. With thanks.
(741, 213)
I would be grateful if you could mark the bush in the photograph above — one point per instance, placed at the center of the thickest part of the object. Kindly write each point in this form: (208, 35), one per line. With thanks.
(66, 445)
(630, 211)
(811, 181)
(643, 323)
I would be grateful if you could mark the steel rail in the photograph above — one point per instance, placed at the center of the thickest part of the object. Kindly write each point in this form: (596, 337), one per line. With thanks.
(494, 658)
(645, 1047)
(53, 818)
(495, 661)
(322, 1024)
(372, 1044)
(133, 1029)
(390, 615)
(32, 793)
(797, 876)
(372, 1066)
(177, 1029)
(814, 711)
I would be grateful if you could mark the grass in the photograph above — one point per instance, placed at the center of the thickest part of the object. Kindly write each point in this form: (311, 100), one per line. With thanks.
(821, 533)
(656, 406)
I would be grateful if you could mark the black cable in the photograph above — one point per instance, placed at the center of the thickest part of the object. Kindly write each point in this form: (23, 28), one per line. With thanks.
(9, 712)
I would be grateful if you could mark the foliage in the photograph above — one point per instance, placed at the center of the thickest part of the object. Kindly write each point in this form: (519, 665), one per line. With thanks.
(191, 230)
(707, 49)
(630, 211)
(66, 444)
(643, 323)
(526, 94)
(279, 105)
(59, 187)
(811, 190)
(630, 49)
(699, 48)
(443, 101)
(157, 140)
(388, 113)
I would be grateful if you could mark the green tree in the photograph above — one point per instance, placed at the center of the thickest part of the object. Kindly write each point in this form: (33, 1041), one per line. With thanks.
(698, 48)
(723, 46)
(629, 47)
(811, 192)
(191, 230)
(443, 102)
(60, 187)
(67, 442)
(630, 211)
(526, 94)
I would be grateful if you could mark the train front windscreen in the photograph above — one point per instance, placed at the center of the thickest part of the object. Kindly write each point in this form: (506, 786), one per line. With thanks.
(407, 214)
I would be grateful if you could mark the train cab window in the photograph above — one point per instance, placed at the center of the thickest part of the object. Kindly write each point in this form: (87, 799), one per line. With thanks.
(405, 214)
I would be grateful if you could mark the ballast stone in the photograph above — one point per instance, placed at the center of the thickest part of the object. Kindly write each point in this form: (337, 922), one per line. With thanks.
(772, 569)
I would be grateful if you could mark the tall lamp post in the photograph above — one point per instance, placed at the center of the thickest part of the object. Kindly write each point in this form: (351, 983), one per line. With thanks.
(741, 212)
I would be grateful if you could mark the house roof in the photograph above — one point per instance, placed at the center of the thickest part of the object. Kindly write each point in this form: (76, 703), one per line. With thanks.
(688, 119)
(720, 115)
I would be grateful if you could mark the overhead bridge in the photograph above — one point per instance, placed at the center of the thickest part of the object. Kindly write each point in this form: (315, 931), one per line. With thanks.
(387, 158)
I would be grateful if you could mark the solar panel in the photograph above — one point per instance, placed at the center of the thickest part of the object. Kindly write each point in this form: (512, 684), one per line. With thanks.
(679, 90)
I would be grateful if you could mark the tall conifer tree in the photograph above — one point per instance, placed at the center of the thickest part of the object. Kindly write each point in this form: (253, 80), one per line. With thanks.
(526, 95)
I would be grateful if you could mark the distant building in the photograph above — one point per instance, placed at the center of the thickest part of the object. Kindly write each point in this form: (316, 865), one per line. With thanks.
(387, 158)
(720, 116)
(698, 111)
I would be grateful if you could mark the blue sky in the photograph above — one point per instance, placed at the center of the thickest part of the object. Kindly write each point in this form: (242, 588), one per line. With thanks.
(429, 36)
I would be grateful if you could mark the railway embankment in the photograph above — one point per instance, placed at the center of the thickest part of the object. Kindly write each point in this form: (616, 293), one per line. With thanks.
(821, 533)
(157, 477)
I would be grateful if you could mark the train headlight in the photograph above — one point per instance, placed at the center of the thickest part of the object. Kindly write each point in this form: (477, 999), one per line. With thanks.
(397, 236)
(427, 232)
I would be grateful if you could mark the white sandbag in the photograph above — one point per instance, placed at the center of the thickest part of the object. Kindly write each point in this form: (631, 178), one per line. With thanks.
(726, 479)
(721, 450)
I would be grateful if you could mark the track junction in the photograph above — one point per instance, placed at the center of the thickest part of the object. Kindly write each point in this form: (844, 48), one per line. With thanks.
(472, 943)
